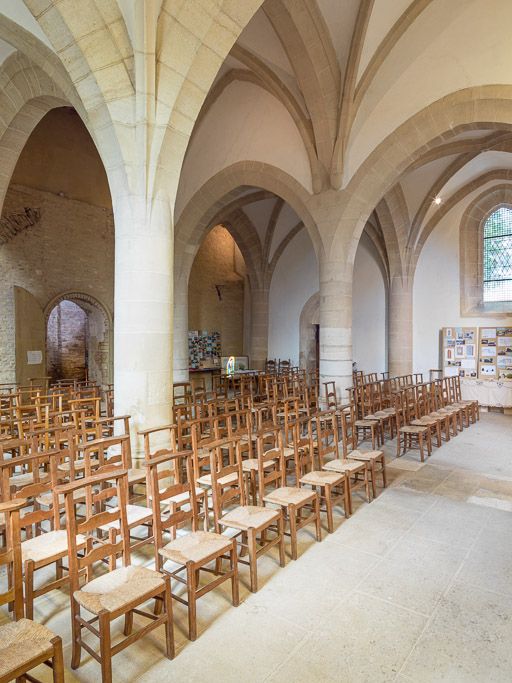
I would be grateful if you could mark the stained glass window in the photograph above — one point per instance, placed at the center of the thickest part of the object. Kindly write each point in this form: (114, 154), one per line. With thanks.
(498, 256)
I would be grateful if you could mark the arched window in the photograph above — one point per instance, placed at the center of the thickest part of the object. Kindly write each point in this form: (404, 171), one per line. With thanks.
(497, 256)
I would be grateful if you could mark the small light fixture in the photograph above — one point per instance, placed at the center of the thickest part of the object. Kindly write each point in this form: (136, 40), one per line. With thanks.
(437, 200)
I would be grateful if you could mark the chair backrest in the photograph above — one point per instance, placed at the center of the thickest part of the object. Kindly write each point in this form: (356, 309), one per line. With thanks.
(11, 556)
(34, 514)
(331, 400)
(164, 437)
(227, 479)
(98, 488)
(271, 465)
(325, 424)
(170, 474)
(104, 455)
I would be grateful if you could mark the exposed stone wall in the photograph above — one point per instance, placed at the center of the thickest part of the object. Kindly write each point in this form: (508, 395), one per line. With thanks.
(218, 264)
(71, 248)
(66, 343)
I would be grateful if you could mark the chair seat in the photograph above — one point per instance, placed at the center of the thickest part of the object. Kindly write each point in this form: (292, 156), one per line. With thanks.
(413, 429)
(135, 514)
(206, 479)
(424, 421)
(136, 476)
(288, 452)
(46, 499)
(251, 464)
(366, 456)
(22, 641)
(195, 547)
(365, 423)
(322, 478)
(79, 465)
(289, 495)
(341, 465)
(249, 517)
(40, 549)
(118, 588)
(27, 478)
(180, 498)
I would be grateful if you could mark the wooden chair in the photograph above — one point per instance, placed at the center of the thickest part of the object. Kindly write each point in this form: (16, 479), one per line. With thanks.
(248, 523)
(356, 472)
(24, 644)
(98, 460)
(43, 546)
(123, 590)
(194, 550)
(299, 506)
(408, 434)
(331, 487)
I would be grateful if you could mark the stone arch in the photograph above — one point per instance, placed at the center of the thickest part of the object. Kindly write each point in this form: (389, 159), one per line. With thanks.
(309, 318)
(468, 109)
(206, 206)
(471, 252)
(101, 357)
(24, 83)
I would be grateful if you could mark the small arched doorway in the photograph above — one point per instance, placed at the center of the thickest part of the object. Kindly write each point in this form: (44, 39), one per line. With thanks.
(78, 339)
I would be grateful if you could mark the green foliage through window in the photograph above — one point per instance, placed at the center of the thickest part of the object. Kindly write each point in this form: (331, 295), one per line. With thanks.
(498, 256)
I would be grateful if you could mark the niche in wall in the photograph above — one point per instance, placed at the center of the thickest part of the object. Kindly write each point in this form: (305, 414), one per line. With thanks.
(216, 290)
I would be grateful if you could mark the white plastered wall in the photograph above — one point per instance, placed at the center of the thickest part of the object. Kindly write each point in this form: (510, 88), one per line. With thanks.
(294, 281)
(369, 309)
(437, 291)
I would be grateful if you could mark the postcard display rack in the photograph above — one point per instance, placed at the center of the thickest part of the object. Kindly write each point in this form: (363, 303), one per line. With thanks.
(459, 348)
(203, 346)
(495, 353)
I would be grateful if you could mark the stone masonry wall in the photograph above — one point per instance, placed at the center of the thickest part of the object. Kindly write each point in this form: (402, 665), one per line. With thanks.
(71, 248)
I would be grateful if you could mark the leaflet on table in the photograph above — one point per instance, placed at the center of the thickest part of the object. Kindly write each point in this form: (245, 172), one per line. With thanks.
(488, 332)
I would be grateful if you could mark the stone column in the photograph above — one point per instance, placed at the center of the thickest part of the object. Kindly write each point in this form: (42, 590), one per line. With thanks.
(335, 326)
(400, 326)
(181, 360)
(143, 311)
(259, 327)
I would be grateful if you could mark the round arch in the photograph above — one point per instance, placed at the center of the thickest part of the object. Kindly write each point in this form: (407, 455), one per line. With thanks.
(100, 331)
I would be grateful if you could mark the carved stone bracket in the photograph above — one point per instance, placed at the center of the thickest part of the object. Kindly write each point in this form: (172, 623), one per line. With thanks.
(16, 222)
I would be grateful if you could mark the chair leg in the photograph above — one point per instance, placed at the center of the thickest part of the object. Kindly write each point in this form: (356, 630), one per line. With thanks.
(57, 661)
(384, 473)
(318, 521)
(76, 645)
(29, 589)
(282, 554)
(292, 514)
(328, 508)
(420, 440)
(367, 485)
(235, 596)
(105, 648)
(253, 569)
(169, 624)
(191, 598)
(128, 622)
(374, 474)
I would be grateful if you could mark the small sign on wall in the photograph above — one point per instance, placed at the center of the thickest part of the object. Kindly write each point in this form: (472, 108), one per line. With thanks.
(34, 357)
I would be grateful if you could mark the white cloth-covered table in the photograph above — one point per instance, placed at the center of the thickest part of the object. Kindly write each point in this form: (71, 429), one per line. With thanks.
(488, 392)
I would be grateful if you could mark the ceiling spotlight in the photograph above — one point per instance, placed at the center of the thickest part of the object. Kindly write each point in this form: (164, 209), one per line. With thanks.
(437, 200)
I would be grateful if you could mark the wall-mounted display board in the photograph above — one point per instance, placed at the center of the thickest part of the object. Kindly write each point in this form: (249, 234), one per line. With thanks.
(495, 353)
(459, 351)
(203, 349)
